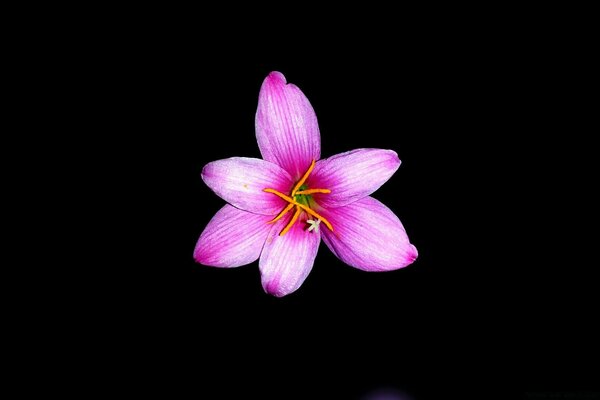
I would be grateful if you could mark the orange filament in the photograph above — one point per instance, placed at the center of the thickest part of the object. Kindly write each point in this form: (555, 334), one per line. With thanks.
(302, 206)
(317, 216)
(281, 214)
(289, 225)
(283, 196)
(311, 191)
(299, 207)
(304, 177)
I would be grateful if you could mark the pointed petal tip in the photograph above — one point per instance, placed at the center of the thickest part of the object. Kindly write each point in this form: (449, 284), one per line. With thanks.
(411, 255)
(207, 172)
(415, 252)
(274, 290)
(203, 173)
(275, 286)
(276, 77)
(407, 259)
(277, 290)
(393, 157)
(200, 257)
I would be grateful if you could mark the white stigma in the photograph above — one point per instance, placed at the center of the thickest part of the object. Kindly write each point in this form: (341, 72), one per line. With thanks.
(313, 224)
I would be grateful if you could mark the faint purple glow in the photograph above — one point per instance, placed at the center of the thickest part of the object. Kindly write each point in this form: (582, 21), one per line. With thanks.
(387, 394)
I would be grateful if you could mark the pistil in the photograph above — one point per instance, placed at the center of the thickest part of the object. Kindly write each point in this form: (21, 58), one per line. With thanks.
(294, 201)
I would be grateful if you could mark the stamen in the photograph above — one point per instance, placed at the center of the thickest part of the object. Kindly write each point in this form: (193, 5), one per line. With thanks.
(289, 225)
(302, 206)
(311, 191)
(299, 207)
(276, 193)
(301, 181)
(314, 214)
(281, 214)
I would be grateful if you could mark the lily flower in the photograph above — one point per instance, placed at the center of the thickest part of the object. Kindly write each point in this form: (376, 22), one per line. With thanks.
(279, 208)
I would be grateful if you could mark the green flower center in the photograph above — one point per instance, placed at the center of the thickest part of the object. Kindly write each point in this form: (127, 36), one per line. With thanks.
(305, 199)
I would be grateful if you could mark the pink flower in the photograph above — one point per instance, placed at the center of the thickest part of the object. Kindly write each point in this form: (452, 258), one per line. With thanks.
(281, 207)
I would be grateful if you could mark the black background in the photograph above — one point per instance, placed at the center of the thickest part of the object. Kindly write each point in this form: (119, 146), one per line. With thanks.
(483, 310)
(344, 331)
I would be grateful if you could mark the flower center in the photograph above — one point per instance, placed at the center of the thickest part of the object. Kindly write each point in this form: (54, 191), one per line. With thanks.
(301, 200)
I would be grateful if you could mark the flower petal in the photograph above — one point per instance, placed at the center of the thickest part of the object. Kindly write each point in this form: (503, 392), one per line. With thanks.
(241, 182)
(287, 131)
(286, 260)
(369, 236)
(352, 175)
(232, 238)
